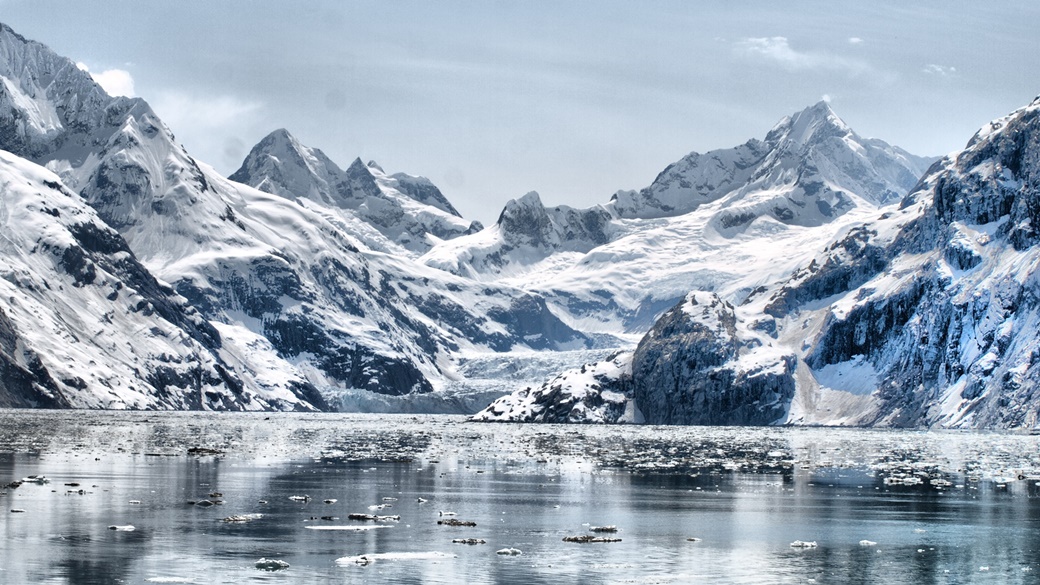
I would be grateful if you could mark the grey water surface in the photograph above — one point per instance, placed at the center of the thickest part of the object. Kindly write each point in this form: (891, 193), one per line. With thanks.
(691, 504)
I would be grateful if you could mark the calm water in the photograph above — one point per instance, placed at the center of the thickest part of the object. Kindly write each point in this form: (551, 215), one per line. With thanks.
(746, 494)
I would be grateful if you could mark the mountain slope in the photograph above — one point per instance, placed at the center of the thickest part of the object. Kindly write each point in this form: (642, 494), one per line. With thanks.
(71, 293)
(926, 316)
(302, 294)
(729, 221)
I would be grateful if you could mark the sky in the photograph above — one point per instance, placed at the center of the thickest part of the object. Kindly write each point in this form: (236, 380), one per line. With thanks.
(575, 100)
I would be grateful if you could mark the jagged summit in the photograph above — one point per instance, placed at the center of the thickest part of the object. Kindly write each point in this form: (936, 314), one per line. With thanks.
(409, 211)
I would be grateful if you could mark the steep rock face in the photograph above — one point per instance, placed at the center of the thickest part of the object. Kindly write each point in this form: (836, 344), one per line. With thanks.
(689, 369)
(71, 291)
(405, 209)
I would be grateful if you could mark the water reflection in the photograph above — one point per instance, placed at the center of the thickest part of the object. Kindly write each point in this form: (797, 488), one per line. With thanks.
(745, 494)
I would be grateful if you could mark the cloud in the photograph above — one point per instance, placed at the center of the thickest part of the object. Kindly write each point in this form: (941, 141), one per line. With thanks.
(178, 108)
(939, 70)
(855, 41)
(210, 127)
(826, 98)
(778, 51)
(115, 82)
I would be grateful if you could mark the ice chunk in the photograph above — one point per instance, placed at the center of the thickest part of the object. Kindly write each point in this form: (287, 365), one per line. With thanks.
(804, 544)
(122, 528)
(271, 565)
(509, 551)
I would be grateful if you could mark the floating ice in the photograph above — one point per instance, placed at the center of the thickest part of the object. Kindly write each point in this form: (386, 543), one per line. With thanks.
(242, 518)
(123, 528)
(134, 502)
(37, 479)
(610, 528)
(587, 538)
(454, 522)
(509, 551)
(468, 541)
(271, 565)
(867, 543)
(804, 544)
(404, 556)
(330, 501)
(349, 528)
(373, 518)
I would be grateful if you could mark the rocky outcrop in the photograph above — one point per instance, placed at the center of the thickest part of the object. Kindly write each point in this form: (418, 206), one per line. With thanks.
(698, 365)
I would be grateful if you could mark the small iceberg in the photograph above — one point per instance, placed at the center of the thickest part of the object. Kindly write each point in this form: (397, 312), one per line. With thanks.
(300, 498)
(348, 528)
(455, 522)
(242, 518)
(271, 565)
(37, 479)
(468, 541)
(804, 544)
(373, 518)
(867, 543)
(364, 560)
(610, 528)
(509, 552)
(588, 538)
(122, 528)
(330, 501)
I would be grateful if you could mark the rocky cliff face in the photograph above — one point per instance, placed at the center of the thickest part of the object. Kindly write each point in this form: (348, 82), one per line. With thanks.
(700, 364)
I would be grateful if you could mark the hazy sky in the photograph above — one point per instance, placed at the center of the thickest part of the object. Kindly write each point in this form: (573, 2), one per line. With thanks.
(573, 99)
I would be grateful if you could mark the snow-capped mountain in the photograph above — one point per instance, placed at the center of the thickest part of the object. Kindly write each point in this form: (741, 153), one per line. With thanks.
(526, 233)
(83, 324)
(408, 210)
(297, 295)
(729, 221)
(926, 316)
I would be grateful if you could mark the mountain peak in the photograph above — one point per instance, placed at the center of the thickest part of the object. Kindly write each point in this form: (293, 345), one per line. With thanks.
(813, 123)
